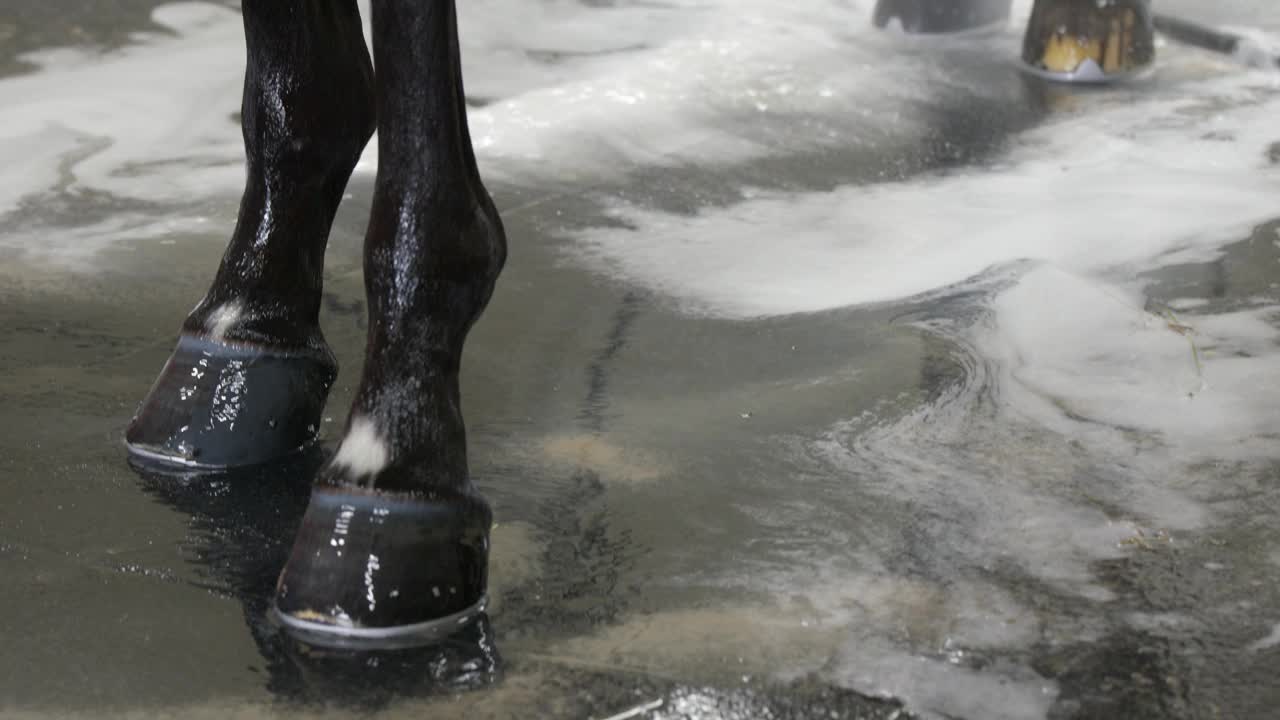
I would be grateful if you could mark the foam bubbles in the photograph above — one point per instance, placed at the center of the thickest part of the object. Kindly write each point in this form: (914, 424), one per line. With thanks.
(149, 122)
(1121, 185)
(1201, 386)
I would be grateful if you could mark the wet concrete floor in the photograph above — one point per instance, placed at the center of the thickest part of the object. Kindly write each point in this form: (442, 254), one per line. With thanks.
(709, 505)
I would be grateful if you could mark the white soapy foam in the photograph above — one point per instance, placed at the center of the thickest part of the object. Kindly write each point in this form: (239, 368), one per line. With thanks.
(1120, 186)
(502, 41)
(153, 121)
(937, 688)
(1012, 491)
(576, 93)
(1256, 47)
(1203, 387)
(1079, 433)
(150, 121)
(715, 82)
(1269, 641)
(75, 247)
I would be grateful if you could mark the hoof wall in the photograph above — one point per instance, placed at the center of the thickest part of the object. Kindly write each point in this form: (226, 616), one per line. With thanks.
(930, 17)
(219, 406)
(1077, 41)
(372, 570)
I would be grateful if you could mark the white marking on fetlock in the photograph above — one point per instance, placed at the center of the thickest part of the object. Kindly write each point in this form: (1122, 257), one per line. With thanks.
(223, 319)
(363, 452)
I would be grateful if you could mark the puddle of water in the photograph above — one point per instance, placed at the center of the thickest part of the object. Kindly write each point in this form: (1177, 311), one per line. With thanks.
(826, 366)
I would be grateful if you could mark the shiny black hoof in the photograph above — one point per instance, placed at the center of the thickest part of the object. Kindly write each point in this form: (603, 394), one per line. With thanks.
(1089, 41)
(218, 406)
(934, 17)
(372, 570)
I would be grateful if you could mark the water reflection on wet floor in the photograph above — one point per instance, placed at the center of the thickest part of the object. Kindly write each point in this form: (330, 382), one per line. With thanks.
(1045, 486)
(163, 575)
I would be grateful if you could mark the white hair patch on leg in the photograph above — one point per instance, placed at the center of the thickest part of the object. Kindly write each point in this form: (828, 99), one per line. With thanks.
(363, 451)
(223, 319)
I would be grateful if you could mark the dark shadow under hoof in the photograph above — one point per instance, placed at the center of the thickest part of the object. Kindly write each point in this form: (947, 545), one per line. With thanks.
(935, 17)
(216, 405)
(381, 570)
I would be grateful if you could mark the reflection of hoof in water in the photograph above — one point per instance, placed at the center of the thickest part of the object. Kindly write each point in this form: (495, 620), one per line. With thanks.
(241, 520)
(374, 569)
(219, 405)
(930, 17)
(1089, 41)
(467, 659)
(240, 528)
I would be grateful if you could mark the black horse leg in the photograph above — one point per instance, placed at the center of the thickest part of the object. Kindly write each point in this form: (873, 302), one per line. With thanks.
(251, 371)
(393, 549)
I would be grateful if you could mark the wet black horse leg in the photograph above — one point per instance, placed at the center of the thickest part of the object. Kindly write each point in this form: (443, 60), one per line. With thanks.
(393, 548)
(251, 371)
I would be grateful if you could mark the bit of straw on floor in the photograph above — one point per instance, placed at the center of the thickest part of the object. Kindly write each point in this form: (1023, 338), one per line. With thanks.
(636, 711)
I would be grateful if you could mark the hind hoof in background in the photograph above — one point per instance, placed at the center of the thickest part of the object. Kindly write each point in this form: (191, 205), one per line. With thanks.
(218, 405)
(1089, 41)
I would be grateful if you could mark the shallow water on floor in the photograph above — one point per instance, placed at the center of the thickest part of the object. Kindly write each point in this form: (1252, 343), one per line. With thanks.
(832, 373)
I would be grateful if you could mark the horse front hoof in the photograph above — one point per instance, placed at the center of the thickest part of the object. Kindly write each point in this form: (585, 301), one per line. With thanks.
(217, 405)
(1089, 41)
(374, 570)
(931, 17)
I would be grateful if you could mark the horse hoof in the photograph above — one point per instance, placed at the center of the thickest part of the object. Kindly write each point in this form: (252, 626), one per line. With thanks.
(931, 17)
(372, 570)
(216, 405)
(1087, 41)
